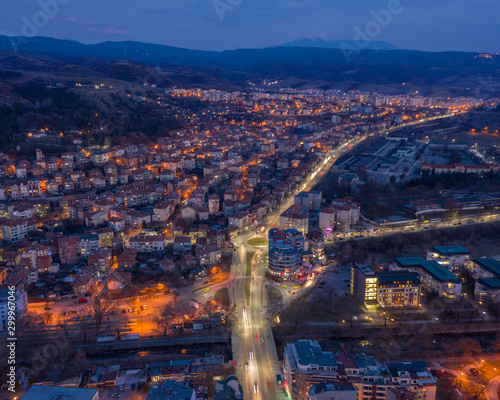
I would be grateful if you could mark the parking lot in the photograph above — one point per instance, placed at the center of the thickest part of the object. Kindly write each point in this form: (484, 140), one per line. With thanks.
(338, 282)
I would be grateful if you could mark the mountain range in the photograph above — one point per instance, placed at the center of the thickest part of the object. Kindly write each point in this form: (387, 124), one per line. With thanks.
(300, 64)
(340, 44)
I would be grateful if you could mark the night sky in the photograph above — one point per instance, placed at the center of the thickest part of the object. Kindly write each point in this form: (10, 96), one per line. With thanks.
(433, 25)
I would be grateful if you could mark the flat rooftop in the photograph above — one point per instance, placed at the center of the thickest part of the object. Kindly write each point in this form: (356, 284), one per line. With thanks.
(59, 393)
(310, 353)
(450, 250)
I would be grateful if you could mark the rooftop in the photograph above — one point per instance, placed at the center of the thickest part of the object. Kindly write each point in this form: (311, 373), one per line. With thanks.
(310, 353)
(397, 276)
(331, 387)
(489, 264)
(450, 250)
(490, 283)
(59, 393)
(433, 268)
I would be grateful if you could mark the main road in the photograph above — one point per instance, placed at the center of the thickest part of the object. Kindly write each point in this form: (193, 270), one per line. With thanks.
(252, 340)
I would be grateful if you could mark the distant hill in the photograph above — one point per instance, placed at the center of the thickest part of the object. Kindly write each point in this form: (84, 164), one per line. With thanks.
(339, 44)
(383, 70)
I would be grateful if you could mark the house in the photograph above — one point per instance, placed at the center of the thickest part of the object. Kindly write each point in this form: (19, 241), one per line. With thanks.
(106, 235)
(137, 218)
(127, 259)
(82, 282)
(96, 218)
(117, 223)
(89, 244)
(12, 258)
(167, 265)
(37, 257)
(189, 212)
(239, 220)
(182, 244)
(14, 230)
(161, 212)
(118, 280)
(295, 217)
(147, 243)
(101, 261)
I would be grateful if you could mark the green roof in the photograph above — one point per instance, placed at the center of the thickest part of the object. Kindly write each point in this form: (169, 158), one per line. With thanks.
(489, 264)
(450, 250)
(433, 268)
(490, 283)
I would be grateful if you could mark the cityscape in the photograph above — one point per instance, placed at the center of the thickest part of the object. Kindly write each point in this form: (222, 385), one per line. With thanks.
(316, 220)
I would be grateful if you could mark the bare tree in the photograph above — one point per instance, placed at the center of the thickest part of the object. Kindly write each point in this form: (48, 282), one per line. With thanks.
(47, 317)
(163, 320)
(99, 306)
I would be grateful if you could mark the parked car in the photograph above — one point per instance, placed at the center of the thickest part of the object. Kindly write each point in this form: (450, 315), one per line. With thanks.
(117, 395)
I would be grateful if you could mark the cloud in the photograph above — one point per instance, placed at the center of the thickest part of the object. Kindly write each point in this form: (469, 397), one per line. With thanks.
(110, 30)
(72, 19)
(107, 30)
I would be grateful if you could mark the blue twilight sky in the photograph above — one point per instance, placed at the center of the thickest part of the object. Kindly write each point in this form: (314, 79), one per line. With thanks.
(433, 25)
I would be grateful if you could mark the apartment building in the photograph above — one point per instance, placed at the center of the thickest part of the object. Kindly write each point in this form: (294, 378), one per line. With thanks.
(486, 271)
(147, 243)
(69, 249)
(307, 366)
(386, 288)
(295, 218)
(435, 277)
(18, 282)
(89, 244)
(14, 230)
(455, 258)
(37, 257)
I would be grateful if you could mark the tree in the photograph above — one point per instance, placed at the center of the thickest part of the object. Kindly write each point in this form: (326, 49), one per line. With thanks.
(163, 320)
(99, 307)
(494, 310)
(47, 317)
(350, 308)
